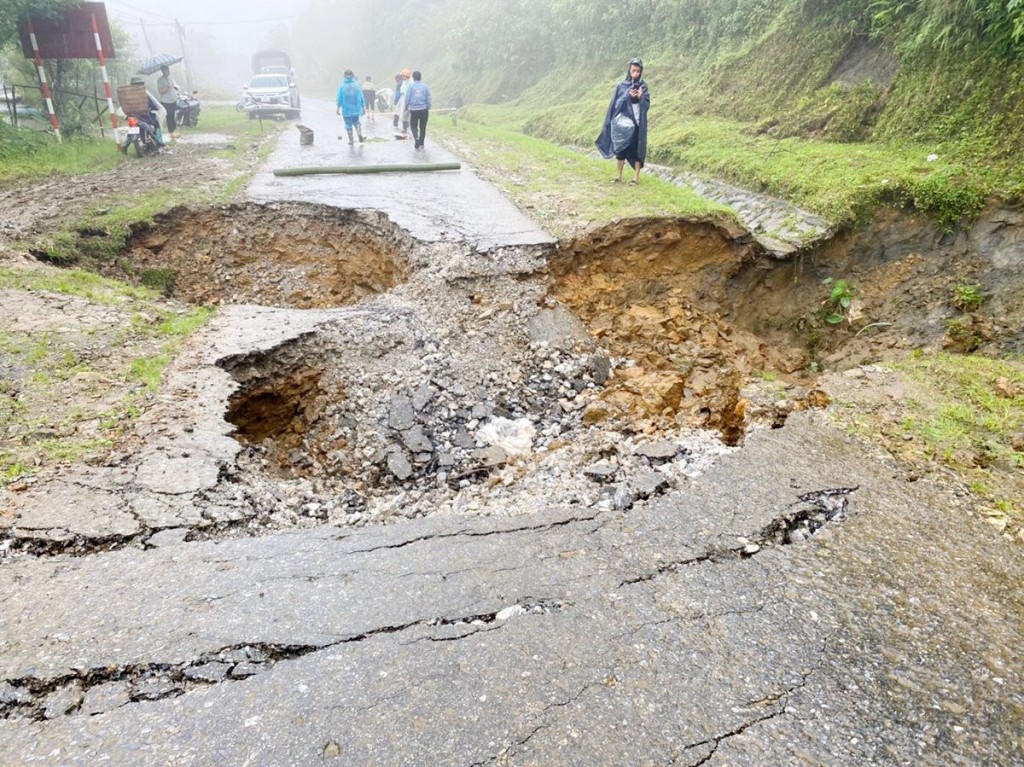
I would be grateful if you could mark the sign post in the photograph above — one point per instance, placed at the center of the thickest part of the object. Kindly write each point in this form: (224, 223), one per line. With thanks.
(106, 78)
(82, 32)
(43, 84)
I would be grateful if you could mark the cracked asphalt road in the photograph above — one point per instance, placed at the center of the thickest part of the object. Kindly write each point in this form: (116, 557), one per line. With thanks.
(681, 632)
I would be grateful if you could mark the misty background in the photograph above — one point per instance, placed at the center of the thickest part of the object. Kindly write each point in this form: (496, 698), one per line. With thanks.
(217, 38)
(323, 37)
(480, 50)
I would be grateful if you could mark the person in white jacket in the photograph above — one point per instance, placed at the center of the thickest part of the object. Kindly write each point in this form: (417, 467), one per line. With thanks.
(401, 113)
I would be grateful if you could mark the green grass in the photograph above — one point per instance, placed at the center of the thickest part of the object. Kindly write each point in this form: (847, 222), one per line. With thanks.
(556, 185)
(171, 326)
(226, 119)
(30, 159)
(11, 469)
(71, 450)
(844, 182)
(148, 370)
(976, 408)
(181, 325)
(74, 282)
(969, 414)
(121, 364)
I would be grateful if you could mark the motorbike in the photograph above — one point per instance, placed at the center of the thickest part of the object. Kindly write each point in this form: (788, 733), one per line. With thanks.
(143, 136)
(245, 101)
(188, 107)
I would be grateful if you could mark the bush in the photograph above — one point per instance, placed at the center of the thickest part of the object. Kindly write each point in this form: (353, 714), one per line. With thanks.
(18, 143)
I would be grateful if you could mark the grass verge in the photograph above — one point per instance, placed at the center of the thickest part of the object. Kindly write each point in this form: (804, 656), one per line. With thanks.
(968, 414)
(564, 190)
(844, 182)
(73, 387)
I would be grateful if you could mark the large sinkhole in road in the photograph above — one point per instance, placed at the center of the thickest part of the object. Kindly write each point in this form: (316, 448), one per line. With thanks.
(288, 254)
(660, 326)
(617, 333)
(655, 292)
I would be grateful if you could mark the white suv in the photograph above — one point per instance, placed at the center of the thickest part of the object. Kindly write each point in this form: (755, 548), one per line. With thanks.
(272, 94)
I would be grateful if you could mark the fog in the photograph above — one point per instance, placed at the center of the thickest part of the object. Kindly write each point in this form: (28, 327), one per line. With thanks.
(323, 38)
(218, 38)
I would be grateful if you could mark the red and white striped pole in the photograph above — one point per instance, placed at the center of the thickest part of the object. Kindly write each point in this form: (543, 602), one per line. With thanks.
(106, 78)
(43, 84)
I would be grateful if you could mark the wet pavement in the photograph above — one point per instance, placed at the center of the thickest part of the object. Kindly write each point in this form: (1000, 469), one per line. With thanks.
(431, 205)
(804, 601)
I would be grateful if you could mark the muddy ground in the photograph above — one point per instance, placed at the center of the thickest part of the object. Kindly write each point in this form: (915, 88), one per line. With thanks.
(649, 328)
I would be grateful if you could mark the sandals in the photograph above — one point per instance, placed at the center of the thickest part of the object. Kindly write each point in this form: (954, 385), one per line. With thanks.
(633, 182)
(616, 180)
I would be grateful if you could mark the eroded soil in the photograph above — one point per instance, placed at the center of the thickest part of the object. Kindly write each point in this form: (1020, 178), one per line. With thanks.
(629, 334)
(306, 257)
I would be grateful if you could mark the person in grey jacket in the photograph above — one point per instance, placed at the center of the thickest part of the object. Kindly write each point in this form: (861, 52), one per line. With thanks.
(417, 104)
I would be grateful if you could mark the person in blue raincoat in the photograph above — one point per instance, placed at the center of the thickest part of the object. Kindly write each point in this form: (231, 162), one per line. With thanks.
(350, 105)
(624, 133)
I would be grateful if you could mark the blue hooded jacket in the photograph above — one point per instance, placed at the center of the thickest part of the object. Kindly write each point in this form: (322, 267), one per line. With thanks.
(350, 97)
(622, 104)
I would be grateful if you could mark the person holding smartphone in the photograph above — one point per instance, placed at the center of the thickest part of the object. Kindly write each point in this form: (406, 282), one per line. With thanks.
(624, 132)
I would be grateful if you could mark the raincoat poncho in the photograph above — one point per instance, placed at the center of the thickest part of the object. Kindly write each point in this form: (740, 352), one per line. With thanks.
(624, 133)
(350, 99)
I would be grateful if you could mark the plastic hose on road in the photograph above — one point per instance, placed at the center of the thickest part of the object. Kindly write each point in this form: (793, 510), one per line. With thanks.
(410, 168)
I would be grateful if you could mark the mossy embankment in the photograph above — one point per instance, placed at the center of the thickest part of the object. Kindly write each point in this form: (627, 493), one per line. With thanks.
(839, 107)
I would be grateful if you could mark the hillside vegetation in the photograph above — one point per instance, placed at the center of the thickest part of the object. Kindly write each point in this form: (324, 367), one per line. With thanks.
(840, 105)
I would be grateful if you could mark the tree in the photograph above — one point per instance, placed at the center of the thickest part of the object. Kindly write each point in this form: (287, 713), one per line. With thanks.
(12, 11)
(76, 87)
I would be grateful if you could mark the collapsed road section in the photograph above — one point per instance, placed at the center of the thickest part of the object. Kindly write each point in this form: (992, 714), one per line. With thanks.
(528, 500)
(356, 375)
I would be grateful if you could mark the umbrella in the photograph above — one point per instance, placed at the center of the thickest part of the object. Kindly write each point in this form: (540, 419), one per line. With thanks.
(153, 63)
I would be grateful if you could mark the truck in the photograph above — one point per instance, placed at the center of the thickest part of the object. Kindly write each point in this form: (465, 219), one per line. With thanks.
(272, 62)
(272, 89)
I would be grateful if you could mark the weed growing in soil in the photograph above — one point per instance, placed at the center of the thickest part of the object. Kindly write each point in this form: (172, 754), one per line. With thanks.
(836, 307)
(969, 415)
(967, 297)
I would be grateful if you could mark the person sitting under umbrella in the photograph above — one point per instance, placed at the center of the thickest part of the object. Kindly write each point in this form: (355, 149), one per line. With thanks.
(150, 121)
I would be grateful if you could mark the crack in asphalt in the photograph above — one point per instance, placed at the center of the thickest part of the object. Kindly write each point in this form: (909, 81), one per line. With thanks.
(42, 699)
(510, 748)
(709, 556)
(11, 543)
(801, 520)
(807, 516)
(479, 534)
(782, 697)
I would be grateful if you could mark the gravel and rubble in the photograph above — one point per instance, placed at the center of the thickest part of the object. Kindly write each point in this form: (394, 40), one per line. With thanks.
(392, 421)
